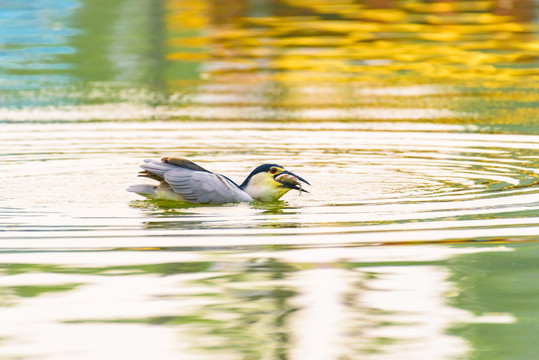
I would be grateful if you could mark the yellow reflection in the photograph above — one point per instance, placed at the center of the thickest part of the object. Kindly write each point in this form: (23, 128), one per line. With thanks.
(301, 35)
(292, 39)
(283, 45)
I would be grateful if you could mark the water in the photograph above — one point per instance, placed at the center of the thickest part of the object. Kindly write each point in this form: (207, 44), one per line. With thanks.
(415, 123)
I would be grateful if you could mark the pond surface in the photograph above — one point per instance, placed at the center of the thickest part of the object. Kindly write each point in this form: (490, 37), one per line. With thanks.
(415, 123)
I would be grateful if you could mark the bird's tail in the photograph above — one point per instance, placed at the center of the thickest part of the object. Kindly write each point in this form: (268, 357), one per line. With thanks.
(143, 189)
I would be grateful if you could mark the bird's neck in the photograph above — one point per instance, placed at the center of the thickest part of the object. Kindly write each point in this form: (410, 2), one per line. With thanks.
(262, 188)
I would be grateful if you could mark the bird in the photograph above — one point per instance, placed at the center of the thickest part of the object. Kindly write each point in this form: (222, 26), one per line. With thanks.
(183, 180)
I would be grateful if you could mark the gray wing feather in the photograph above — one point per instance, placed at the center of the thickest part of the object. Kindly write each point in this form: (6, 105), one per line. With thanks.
(204, 187)
(158, 168)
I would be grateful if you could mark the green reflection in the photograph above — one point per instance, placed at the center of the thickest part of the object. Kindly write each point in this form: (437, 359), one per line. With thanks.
(36, 290)
(92, 60)
(247, 313)
(9, 295)
(503, 286)
(162, 269)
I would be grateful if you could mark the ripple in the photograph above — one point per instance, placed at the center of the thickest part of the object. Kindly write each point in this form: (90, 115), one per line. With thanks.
(369, 185)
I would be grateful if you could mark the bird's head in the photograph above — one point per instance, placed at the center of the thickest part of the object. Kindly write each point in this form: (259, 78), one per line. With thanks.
(269, 182)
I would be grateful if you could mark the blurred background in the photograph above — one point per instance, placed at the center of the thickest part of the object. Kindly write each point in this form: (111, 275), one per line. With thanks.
(416, 122)
(271, 60)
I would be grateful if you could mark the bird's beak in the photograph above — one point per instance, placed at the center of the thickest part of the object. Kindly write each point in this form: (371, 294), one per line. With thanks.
(291, 181)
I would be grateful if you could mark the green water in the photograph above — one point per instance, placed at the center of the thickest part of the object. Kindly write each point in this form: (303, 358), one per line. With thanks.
(415, 123)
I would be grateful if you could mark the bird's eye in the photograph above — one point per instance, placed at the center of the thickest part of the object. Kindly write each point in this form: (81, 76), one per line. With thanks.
(273, 170)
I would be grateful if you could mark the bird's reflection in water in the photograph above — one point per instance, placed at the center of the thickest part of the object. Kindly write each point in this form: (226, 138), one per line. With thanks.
(168, 214)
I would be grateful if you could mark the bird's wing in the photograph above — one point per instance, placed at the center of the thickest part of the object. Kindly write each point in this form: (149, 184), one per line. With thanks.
(183, 163)
(204, 187)
(155, 169)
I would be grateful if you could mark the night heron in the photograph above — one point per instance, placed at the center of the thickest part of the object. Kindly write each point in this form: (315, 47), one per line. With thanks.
(183, 180)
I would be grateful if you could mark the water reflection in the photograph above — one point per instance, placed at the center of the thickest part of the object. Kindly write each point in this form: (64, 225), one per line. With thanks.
(274, 61)
(300, 303)
(34, 37)
(511, 311)
(416, 122)
(342, 46)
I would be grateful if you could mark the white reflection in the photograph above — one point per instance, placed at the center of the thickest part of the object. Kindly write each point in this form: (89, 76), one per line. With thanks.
(379, 312)
(36, 326)
(318, 328)
(410, 301)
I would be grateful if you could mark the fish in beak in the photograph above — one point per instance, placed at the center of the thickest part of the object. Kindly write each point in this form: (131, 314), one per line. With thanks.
(291, 181)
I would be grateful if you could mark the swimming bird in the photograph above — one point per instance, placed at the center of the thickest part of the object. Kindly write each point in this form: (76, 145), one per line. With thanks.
(183, 180)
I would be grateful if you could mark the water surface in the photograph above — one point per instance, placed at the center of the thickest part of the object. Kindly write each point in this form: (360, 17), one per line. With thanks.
(415, 123)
